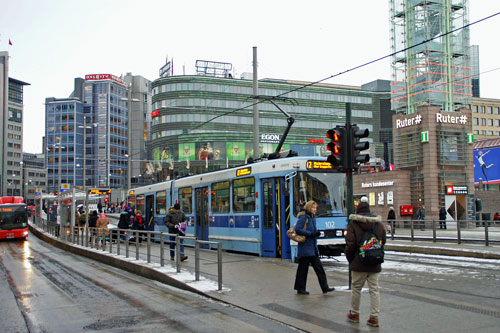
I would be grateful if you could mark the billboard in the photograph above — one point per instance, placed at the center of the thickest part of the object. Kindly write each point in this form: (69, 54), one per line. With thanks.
(487, 165)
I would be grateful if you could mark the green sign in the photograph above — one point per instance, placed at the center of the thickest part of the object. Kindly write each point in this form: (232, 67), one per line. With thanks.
(470, 138)
(424, 136)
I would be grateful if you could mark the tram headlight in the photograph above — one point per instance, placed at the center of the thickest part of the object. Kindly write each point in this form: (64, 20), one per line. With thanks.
(338, 233)
(345, 232)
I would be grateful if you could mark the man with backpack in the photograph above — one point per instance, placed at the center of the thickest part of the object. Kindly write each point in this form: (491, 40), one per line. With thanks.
(364, 250)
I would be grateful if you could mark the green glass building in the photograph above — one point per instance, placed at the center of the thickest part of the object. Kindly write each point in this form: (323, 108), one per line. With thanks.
(202, 123)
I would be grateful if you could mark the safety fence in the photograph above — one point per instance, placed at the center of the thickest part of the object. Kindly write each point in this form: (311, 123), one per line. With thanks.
(457, 231)
(149, 246)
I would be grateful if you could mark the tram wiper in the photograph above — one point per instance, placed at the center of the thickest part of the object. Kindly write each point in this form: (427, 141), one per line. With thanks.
(324, 214)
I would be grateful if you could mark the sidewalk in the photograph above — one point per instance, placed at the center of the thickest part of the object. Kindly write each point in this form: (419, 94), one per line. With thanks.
(265, 286)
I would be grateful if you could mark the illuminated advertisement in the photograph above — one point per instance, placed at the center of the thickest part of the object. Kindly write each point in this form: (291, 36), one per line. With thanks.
(486, 165)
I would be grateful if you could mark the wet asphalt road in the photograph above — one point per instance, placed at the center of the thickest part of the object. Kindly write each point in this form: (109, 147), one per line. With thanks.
(44, 289)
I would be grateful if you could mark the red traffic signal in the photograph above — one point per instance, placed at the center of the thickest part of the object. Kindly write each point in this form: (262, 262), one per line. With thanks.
(337, 146)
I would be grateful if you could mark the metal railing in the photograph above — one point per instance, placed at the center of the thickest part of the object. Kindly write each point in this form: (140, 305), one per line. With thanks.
(460, 231)
(124, 241)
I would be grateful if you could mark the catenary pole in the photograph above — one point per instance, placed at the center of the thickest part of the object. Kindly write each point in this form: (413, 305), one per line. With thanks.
(256, 152)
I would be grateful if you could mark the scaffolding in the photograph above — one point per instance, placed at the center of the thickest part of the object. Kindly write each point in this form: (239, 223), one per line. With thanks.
(436, 72)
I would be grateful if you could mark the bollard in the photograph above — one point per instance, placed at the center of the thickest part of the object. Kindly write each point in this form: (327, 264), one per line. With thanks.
(162, 250)
(197, 260)
(459, 239)
(219, 263)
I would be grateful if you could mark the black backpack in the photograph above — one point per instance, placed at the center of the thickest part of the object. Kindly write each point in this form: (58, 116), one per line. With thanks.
(371, 249)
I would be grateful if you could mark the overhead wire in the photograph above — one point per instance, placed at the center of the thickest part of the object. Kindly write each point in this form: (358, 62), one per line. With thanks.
(349, 70)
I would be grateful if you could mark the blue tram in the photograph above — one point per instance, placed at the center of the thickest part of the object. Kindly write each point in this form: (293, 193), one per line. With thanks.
(250, 208)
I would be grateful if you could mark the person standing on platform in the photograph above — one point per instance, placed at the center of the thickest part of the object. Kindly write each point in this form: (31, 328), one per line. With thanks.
(442, 218)
(173, 219)
(359, 223)
(308, 252)
(391, 218)
(421, 217)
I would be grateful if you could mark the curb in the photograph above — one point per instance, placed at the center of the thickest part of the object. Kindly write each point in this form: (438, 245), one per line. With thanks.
(441, 251)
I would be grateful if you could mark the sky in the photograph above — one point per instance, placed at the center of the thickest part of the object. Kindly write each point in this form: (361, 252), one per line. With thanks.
(54, 41)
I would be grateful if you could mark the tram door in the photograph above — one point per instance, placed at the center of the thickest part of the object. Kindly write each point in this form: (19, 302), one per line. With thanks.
(148, 214)
(201, 205)
(274, 212)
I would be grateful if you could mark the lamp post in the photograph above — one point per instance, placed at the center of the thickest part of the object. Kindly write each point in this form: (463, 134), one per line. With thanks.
(85, 165)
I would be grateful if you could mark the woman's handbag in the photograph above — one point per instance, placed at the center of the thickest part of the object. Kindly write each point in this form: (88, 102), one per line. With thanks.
(296, 237)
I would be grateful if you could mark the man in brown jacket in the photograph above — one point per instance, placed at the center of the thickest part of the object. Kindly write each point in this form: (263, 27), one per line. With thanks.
(359, 223)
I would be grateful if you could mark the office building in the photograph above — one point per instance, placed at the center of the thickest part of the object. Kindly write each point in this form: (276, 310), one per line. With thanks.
(205, 122)
(486, 118)
(430, 65)
(64, 142)
(11, 127)
(140, 94)
(105, 99)
(432, 129)
(34, 176)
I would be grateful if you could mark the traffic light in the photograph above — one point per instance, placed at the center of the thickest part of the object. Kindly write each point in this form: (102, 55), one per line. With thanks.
(337, 147)
(358, 146)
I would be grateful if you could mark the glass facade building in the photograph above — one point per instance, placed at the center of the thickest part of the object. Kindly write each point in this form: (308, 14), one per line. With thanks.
(202, 123)
(64, 142)
(431, 66)
(105, 99)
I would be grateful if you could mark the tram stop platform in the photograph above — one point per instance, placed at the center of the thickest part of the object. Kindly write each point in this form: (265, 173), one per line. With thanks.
(265, 286)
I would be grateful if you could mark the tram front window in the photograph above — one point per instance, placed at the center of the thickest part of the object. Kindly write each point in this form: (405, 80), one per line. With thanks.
(326, 189)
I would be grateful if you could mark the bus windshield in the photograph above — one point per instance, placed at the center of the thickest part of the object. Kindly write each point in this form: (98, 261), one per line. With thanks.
(12, 217)
(327, 189)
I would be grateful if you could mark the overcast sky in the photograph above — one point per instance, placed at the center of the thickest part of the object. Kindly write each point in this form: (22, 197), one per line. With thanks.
(54, 41)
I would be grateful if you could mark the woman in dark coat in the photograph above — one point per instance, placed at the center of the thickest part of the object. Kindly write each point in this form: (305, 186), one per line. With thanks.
(308, 252)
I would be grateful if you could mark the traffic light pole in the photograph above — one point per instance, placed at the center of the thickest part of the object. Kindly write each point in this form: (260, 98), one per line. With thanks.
(348, 174)
(350, 194)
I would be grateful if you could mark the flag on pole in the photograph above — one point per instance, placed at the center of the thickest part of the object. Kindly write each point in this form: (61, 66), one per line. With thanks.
(10, 43)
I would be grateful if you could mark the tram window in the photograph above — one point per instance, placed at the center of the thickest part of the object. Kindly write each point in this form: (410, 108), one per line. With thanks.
(186, 199)
(161, 202)
(220, 197)
(244, 195)
(140, 203)
(131, 201)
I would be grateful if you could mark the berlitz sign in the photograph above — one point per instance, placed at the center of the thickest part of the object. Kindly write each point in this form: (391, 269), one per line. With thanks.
(98, 77)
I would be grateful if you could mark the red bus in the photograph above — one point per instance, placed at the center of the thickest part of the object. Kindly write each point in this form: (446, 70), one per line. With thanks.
(13, 218)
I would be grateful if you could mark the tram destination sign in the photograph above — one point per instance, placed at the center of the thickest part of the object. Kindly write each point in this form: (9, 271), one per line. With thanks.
(243, 172)
(318, 165)
(99, 191)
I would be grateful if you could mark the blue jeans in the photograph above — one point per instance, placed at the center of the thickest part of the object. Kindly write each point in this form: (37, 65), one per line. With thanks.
(172, 246)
